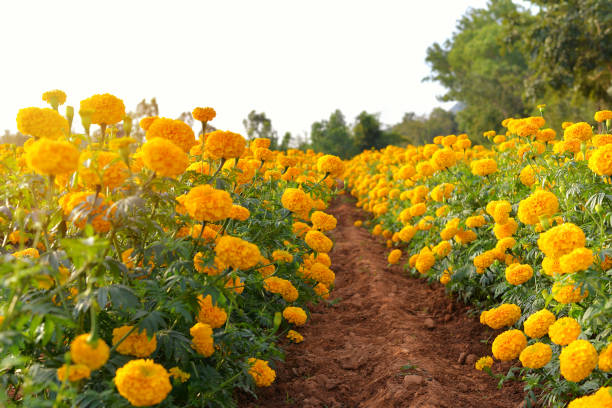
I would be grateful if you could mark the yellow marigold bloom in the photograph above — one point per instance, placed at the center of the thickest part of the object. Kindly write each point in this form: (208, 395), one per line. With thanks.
(502, 209)
(505, 230)
(295, 315)
(200, 266)
(295, 336)
(75, 372)
(318, 241)
(572, 145)
(173, 130)
(546, 135)
(505, 243)
(602, 115)
(204, 114)
(145, 123)
(605, 359)
(577, 260)
(444, 158)
(527, 175)
(260, 142)
(202, 339)
(262, 374)
(541, 203)
(332, 165)
(425, 260)
(136, 344)
(509, 344)
(407, 233)
(418, 209)
(504, 315)
(296, 201)
(483, 362)
(568, 292)
(143, 382)
(475, 221)
(425, 169)
(43, 123)
(536, 356)
(99, 168)
(442, 249)
(320, 273)
(237, 253)
(205, 203)
(465, 236)
(601, 399)
(282, 256)
(322, 290)
(484, 260)
(179, 374)
(405, 172)
(107, 109)
(282, 287)
(561, 240)
(323, 221)
(483, 167)
(445, 278)
(600, 161)
(51, 157)
(442, 211)
(57, 97)
(94, 355)
(538, 324)
(210, 314)
(551, 266)
(517, 274)
(224, 145)
(580, 131)
(300, 229)
(394, 256)
(602, 140)
(235, 284)
(239, 213)
(564, 331)
(577, 360)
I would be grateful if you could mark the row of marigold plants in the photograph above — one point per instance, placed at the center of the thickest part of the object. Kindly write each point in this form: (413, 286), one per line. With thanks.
(521, 228)
(161, 273)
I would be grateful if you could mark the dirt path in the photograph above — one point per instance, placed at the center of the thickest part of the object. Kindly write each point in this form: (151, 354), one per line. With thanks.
(392, 340)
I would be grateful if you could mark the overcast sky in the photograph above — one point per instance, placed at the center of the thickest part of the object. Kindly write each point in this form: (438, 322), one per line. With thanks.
(295, 60)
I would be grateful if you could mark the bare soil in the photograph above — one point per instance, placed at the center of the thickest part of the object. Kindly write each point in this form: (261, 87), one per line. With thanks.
(391, 341)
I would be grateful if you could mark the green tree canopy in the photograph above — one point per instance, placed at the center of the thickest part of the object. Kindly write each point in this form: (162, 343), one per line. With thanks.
(333, 136)
(259, 125)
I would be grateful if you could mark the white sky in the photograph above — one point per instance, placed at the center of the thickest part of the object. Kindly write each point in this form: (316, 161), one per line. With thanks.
(296, 61)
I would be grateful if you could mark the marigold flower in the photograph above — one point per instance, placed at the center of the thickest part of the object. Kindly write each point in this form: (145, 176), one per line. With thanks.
(537, 325)
(295, 315)
(210, 314)
(505, 230)
(444, 158)
(601, 399)
(484, 260)
(282, 287)
(580, 131)
(318, 241)
(282, 256)
(296, 200)
(94, 355)
(224, 145)
(56, 97)
(602, 140)
(239, 213)
(75, 372)
(541, 203)
(173, 130)
(577, 360)
(262, 374)
(475, 221)
(394, 256)
(136, 344)
(577, 260)
(99, 168)
(145, 123)
(600, 161)
(517, 274)
(332, 165)
(205, 203)
(564, 331)
(237, 253)
(322, 290)
(605, 359)
(442, 249)
(536, 356)
(425, 260)
(143, 382)
(107, 109)
(483, 362)
(561, 240)
(202, 339)
(509, 344)
(483, 167)
(204, 114)
(295, 336)
(504, 315)
(323, 221)
(43, 123)
(51, 157)
(568, 292)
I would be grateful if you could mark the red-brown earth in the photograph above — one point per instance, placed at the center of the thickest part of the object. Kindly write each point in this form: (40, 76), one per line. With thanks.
(391, 340)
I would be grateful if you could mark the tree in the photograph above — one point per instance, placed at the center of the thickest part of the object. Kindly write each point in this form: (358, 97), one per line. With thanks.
(479, 71)
(257, 125)
(368, 133)
(569, 43)
(418, 130)
(285, 142)
(333, 136)
(143, 109)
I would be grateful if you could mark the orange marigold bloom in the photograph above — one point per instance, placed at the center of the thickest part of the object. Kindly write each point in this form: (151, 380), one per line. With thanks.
(517, 274)
(51, 157)
(581, 131)
(577, 360)
(75, 372)
(176, 131)
(508, 345)
(164, 157)
(145, 123)
(57, 97)
(204, 114)
(262, 374)
(602, 115)
(137, 343)
(318, 241)
(541, 203)
(561, 240)
(224, 145)
(99, 168)
(143, 382)
(237, 253)
(210, 314)
(295, 315)
(538, 324)
(330, 164)
(536, 356)
(205, 203)
(600, 161)
(202, 339)
(107, 109)
(568, 292)
(94, 355)
(41, 123)
(564, 331)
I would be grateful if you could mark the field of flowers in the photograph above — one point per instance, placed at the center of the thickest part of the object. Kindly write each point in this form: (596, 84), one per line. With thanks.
(523, 230)
(162, 273)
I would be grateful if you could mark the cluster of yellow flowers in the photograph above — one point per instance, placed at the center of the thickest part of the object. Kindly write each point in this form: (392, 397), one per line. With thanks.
(185, 230)
(527, 211)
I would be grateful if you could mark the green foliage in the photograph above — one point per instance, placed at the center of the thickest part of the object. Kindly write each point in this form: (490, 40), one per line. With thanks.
(418, 130)
(333, 136)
